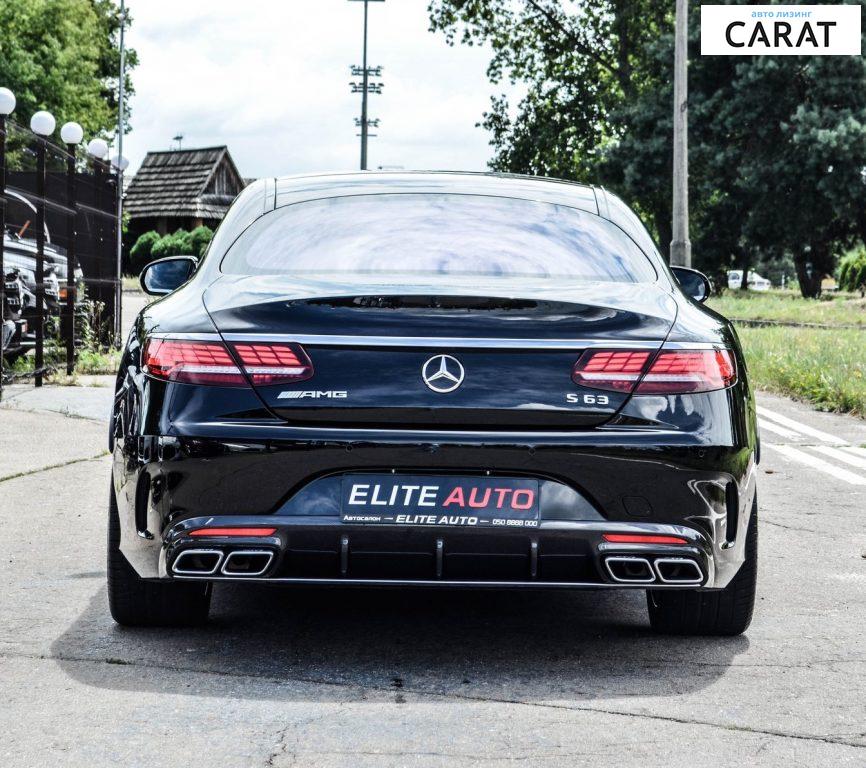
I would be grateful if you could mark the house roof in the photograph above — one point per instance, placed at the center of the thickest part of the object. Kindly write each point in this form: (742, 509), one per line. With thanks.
(176, 183)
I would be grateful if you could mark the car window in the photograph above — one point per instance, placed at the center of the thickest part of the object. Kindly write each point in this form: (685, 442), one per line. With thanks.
(438, 234)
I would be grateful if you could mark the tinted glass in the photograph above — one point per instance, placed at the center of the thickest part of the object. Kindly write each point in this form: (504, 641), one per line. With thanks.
(438, 234)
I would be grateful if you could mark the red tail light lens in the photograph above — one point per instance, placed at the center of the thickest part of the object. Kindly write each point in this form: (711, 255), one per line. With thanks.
(209, 362)
(617, 370)
(689, 370)
(274, 363)
(672, 372)
(192, 362)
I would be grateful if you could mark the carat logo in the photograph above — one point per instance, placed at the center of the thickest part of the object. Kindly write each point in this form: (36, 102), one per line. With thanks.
(780, 30)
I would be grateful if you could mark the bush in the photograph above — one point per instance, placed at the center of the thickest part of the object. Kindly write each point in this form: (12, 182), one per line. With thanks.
(141, 253)
(151, 246)
(852, 272)
(199, 239)
(177, 244)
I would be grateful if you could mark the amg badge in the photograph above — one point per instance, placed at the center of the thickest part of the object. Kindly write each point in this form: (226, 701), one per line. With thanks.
(298, 394)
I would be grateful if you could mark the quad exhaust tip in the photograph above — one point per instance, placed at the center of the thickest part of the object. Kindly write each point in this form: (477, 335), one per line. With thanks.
(197, 562)
(678, 570)
(628, 569)
(207, 562)
(247, 562)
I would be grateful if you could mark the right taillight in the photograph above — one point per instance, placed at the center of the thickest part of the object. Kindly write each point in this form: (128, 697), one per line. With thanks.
(670, 372)
(688, 370)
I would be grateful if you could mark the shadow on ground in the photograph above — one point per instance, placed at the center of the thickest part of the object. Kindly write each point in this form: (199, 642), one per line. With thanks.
(319, 645)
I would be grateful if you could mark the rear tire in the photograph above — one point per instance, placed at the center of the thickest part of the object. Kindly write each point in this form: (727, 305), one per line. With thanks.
(135, 602)
(725, 611)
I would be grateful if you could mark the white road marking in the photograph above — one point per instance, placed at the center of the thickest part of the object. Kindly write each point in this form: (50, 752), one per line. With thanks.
(824, 437)
(770, 427)
(855, 450)
(815, 463)
(840, 455)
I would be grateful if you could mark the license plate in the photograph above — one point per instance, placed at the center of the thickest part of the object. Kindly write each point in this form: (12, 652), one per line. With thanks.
(425, 500)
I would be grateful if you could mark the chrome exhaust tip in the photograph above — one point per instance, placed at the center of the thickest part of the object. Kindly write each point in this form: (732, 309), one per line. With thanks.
(197, 562)
(678, 570)
(630, 570)
(247, 562)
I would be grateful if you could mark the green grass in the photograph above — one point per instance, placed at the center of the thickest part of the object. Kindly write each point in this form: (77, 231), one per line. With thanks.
(824, 367)
(790, 307)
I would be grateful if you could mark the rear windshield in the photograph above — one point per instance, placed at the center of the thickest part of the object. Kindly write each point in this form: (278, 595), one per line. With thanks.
(437, 234)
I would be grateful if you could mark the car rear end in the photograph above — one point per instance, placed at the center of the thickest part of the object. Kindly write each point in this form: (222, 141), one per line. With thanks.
(439, 431)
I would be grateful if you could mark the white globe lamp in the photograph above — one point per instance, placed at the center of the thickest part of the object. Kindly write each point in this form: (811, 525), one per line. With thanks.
(42, 123)
(7, 102)
(98, 148)
(71, 133)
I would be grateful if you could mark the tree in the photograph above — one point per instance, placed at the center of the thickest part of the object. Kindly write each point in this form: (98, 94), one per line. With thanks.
(777, 146)
(63, 56)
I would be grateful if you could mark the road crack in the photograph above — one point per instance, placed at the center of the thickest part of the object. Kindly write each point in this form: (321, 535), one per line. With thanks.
(30, 472)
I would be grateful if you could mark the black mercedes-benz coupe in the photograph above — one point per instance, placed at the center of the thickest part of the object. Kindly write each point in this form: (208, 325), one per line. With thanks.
(433, 380)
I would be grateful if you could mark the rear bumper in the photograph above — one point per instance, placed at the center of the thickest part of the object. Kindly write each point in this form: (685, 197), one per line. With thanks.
(558, 554)
(604, 482)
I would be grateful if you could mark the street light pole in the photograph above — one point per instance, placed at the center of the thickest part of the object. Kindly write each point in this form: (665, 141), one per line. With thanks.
(365, 88)
(681, 246)
(366, 81)
(118, 290)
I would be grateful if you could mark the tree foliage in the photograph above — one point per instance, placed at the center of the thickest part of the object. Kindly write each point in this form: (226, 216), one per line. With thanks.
(777, 145)
(63, 56)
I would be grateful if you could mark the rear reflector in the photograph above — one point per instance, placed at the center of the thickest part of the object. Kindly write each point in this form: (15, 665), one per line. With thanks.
(639, 538)
(672, 372)
(209, 362)
(238, 532)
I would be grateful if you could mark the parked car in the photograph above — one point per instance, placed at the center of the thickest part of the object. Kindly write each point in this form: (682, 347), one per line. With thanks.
(19, 262)
(755, 281)
(432, 380)
(16, 340)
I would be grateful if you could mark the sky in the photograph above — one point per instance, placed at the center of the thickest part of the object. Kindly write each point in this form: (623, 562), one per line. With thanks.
(270, 78)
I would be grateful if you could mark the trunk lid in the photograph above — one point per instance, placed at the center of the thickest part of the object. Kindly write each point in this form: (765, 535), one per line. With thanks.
(441, 354)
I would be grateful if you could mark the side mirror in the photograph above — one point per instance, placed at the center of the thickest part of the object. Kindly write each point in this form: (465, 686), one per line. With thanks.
(165, 275)
(695, 284)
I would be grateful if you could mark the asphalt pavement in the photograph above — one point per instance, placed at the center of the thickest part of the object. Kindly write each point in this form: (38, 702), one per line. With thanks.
(285, 677)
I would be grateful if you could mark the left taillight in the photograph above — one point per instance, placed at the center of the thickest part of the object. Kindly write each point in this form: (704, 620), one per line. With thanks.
(670, 372)
(210, 362)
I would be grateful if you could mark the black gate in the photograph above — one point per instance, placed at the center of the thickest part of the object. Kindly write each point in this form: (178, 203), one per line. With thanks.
(58, 254)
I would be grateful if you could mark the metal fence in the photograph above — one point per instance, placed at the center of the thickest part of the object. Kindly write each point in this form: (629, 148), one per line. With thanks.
(58, 216)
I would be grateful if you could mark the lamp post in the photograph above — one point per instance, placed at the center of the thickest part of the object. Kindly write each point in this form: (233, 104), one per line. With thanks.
(42, 124)
(71, 134)
(681, 246)
(118, 295)
(7, 106)
(365, 87)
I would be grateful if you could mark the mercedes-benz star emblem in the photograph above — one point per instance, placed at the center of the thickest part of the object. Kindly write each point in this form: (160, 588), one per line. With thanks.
(443, 373)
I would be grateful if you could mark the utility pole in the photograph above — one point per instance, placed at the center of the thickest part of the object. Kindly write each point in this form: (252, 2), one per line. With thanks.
(365, 87)
(681, 246)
